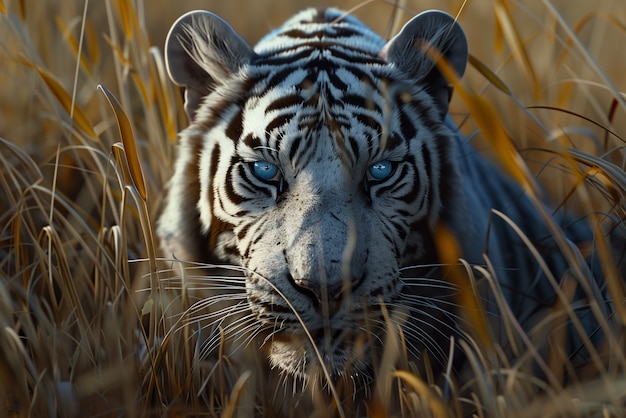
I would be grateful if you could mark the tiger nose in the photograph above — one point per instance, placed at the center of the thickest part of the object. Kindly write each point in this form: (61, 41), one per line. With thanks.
(328, 296)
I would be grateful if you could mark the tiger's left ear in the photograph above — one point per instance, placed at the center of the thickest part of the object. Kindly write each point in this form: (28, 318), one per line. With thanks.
(202, 51)
(408, 51)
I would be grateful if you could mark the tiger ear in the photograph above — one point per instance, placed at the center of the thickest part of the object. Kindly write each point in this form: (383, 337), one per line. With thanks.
(202, 51)
(408, 51)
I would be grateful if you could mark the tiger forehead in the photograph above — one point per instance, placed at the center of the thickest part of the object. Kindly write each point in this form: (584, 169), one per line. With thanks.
(311, 113)
(319, 90)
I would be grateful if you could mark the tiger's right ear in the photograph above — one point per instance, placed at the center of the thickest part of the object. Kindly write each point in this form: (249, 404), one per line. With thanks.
(432, 29)
(202, 51)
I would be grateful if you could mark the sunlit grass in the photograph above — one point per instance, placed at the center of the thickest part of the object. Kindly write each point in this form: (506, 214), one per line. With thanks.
(93, 325)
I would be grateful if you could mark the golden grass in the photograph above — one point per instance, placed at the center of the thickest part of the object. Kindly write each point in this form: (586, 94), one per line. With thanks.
(84, 170)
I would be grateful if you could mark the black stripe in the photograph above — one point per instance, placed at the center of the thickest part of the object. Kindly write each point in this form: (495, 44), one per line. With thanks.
(336, 32)
(400, 229)
(284, 102)
(336, 81)
(354, 145)
(279, 77)
(367, 120)
(447, 169)
(425, 151)
(235, 126)
(230, 192)
(215, 158)
(407, 124)
(356, 57)
(281, 59)
(241, 234)
(359, 101)
(252, 141)
(277, 122)
(295, 145)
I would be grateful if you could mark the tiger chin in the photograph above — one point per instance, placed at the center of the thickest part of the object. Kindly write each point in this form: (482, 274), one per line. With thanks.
(322, 161)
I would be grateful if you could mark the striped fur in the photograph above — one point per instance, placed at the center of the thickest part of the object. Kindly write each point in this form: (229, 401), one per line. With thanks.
(324, 100)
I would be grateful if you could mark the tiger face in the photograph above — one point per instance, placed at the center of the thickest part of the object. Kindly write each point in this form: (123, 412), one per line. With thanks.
(312, 162)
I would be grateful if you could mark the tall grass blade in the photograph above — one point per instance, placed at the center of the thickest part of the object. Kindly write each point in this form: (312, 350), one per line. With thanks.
(64, 99)
(436, 405)
(73, 44)
(165, 97)
(231, 407)
(127, 16)
(511, 34)
(468, 299)
(128, 139)
(490, 75)
(583, 117)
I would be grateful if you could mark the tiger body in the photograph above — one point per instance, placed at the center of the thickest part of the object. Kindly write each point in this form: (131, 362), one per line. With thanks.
(322, 161)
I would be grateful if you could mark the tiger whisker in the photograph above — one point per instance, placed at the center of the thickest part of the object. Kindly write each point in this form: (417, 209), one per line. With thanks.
(447, 307)
(419, 335)
(236, 332)
(188, 264)
(438, 325)
(236, 282)
(431, 266)
(222, 313)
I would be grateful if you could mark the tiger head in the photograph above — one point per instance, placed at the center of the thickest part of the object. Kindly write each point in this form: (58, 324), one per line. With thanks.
(319, 161)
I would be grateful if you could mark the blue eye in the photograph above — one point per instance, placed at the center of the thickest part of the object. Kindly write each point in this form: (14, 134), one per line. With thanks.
(264, 171)
(380, 170)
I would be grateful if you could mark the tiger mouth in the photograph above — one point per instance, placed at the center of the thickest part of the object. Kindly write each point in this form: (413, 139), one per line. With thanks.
(340, 352)
(322, 337)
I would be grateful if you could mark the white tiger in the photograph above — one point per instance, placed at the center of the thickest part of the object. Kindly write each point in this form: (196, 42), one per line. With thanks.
(322, 162)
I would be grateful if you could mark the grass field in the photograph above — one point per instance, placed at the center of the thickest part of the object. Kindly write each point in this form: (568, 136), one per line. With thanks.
(84, 169)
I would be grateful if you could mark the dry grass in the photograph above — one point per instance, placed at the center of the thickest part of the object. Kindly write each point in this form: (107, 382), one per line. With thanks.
(84, 169)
